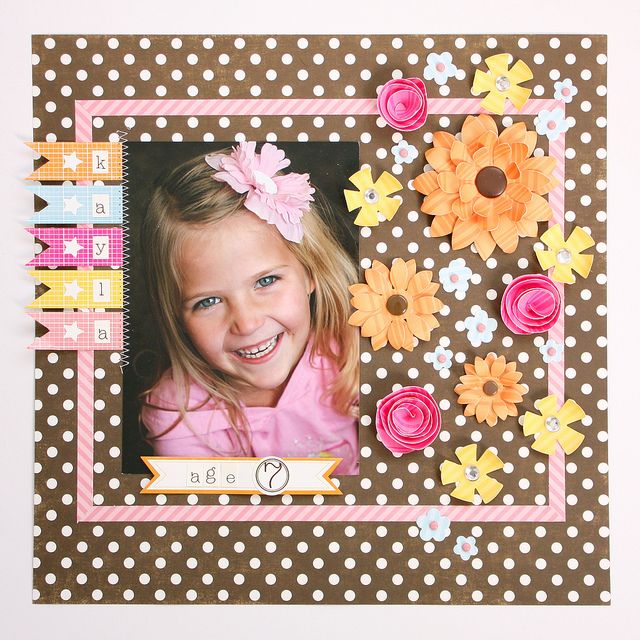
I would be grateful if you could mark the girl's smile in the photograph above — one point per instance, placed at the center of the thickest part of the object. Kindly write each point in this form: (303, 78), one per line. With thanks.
(245, 304)
(257, 353)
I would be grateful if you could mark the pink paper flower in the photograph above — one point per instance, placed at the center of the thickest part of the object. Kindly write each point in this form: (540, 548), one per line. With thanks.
(402, 103)
(279, 200)
(408, 420)
(531, 304)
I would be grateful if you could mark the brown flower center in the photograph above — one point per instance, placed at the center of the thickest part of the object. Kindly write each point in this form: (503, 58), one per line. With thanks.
(397, 305)
(491, 182)
(490, 387)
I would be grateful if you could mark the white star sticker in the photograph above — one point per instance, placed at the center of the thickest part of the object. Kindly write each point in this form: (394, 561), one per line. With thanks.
(72, 331)
(71, 161)
(72, 247)
(72, 289)
(71, 205)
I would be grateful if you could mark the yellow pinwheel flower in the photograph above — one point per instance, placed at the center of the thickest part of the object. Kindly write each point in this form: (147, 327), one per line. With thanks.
(471, 475)
(565, 256)
(551, 425)
(373, 197)
(502, 83)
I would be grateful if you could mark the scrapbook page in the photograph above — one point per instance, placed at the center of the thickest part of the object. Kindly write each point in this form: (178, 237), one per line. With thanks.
(320, 319)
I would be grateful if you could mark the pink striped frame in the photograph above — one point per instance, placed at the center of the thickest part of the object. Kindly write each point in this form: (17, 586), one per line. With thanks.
(87, 511)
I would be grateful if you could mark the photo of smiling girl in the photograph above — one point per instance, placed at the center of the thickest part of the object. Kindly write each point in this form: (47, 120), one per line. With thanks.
(250, 290)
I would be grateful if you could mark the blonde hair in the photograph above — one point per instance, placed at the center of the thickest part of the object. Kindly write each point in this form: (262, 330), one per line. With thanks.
(189, 197)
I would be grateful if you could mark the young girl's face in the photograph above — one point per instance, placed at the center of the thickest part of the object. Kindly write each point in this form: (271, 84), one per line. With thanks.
(245, 303)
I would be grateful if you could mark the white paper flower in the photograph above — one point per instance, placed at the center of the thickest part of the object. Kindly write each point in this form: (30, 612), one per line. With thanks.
(440, 67)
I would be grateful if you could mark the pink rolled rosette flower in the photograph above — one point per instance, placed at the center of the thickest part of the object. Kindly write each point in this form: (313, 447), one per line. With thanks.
(531, 304)
(408, 420)
(402, 103)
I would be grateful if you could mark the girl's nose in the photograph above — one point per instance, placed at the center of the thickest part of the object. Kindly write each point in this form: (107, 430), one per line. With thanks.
(246, 319)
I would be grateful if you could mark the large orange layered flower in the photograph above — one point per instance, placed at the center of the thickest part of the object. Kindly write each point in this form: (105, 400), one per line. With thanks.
(395, 305)
(486, 188)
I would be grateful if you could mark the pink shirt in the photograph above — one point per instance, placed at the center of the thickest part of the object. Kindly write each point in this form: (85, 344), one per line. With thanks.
(301, 425)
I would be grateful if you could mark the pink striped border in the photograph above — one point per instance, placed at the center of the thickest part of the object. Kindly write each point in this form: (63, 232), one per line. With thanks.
(554, 511)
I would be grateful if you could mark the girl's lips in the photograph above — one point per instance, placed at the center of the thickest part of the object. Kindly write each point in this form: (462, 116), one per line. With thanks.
(260, 353)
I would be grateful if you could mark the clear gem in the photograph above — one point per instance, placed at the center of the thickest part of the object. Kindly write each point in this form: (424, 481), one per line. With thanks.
(371, 196)
(503, 83)
(564, 256)
(552, 424)
(472, 472)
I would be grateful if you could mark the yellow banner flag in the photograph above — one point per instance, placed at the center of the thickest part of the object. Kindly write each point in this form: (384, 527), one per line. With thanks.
(78, 161)
(70, 289)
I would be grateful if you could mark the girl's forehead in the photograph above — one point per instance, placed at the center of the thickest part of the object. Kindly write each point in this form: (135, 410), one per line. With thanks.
(241, 224)
(241, 242)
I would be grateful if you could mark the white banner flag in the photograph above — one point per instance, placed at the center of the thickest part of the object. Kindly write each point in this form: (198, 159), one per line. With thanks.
(269, 476)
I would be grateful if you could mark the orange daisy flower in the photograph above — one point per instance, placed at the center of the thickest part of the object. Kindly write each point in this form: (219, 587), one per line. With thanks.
(395, 305)
(486, 188)
(490, 389)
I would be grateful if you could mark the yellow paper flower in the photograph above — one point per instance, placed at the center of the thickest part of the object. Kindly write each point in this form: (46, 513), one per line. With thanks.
(502, 83)
(551, 425)
(394, 306)
(486, 188)
(373, 197)
(565, 256)
(471, 475)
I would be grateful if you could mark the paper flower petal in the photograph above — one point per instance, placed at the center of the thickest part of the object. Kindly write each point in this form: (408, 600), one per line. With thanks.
(551, 426)
(372, 197)
(440, 67)
(404, 153)
(502, 83)
(551, 123)
(433, 526)
(408, 420)
(402, 103)
(395, 305)
(490, 390)
(465, 547)
(471, 475)
(280, 200)
(486, 189)
(531, 304)
(564, 257)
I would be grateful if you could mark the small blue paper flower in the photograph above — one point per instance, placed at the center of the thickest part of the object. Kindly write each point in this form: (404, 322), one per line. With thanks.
(441, 358)
(565, 90)
(551, 351)
(440, 67)
(551, 124)
(404, 153)
(433, 526)
(480, 327)
(455, 277)
(465, 547)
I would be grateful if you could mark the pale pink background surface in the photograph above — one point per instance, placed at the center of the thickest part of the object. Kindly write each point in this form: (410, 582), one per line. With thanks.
(23, 620)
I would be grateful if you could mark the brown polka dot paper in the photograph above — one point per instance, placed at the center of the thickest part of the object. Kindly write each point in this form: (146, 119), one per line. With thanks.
(395, 534)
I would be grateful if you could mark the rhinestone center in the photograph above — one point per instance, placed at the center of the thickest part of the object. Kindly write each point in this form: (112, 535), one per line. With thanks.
(503, 83)
(472, 472)
(397, 305)
(371, 196)
(564, 256)
(552, 424)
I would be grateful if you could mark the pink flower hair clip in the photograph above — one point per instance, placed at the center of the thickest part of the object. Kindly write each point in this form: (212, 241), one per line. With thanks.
(279, 200)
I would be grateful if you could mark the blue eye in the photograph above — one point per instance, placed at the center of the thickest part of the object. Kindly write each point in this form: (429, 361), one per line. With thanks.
(266, 281)
(205, 303)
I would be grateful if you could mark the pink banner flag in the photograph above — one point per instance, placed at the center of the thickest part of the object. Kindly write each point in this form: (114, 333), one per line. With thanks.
(73, 247)
(79, 331)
